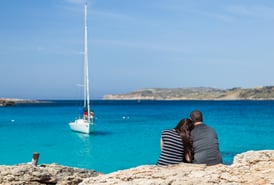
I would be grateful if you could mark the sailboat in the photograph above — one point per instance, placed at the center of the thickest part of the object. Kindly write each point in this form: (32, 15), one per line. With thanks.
(85, 124)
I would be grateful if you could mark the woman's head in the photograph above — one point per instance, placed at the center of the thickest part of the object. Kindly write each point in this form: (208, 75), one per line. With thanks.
(185, 125)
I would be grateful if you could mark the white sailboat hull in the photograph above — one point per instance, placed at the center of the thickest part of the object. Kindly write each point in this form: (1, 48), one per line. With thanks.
(83, 126)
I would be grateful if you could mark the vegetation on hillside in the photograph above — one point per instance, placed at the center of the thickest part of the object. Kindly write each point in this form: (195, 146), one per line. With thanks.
(200, 93)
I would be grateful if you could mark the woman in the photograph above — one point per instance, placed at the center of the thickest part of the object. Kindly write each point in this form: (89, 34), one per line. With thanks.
(176, 144)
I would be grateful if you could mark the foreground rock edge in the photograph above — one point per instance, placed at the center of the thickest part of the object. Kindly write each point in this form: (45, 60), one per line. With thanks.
(43, 174)
(252, 167)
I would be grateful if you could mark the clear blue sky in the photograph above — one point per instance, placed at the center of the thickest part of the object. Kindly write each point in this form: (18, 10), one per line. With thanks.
(134, 45)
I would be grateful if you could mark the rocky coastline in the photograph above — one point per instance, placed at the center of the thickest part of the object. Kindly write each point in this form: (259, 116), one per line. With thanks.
(14, 101)
(251, 167)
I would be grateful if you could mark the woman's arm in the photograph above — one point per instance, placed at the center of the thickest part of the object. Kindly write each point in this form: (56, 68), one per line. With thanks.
(161, 143)
(187, 157)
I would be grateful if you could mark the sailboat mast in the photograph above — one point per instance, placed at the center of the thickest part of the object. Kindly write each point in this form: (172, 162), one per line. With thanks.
(86, 72)
(85, 122)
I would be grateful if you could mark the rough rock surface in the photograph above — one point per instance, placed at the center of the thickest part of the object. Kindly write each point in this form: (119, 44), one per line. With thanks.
(253, 167)
(27, 174)
(14, 101)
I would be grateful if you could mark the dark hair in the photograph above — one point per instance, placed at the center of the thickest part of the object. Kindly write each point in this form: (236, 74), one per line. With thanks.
(196, 116)
(183, 128)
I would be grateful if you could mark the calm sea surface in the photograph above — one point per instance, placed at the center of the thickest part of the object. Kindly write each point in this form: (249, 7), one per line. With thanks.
(127, 132)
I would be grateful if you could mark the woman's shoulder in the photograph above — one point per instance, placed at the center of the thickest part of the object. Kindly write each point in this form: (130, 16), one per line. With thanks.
(169, 132)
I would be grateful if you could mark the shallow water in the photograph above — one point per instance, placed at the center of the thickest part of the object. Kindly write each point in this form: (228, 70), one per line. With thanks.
(127, 132)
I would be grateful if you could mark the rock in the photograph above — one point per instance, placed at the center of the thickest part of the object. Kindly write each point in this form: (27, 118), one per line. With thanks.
(44, 174)
(6, 102)
(253, 167)
(14, 101)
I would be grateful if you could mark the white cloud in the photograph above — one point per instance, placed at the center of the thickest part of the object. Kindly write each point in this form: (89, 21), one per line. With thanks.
(113, 15)
(143, 45)
(217, 16)
(75, 1)
(123, 17)
(251, 11)
(198, 11)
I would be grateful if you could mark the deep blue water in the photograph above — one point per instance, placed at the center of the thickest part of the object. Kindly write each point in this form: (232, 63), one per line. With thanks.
(127, 132)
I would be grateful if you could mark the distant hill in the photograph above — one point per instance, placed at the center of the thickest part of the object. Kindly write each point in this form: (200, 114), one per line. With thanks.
(14, 101)
(198, 93)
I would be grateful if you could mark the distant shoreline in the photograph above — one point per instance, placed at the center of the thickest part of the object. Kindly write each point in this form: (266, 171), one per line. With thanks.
(173, 94)
(14, 101)
(10, 102)
(196, 93)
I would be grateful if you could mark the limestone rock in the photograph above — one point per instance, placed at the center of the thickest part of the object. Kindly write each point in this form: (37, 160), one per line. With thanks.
(45, 174)
(253, 167)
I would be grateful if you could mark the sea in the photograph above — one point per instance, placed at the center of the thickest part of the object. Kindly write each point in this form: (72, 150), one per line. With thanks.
(127, 133)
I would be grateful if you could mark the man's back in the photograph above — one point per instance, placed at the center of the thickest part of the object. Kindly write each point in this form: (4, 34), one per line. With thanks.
(205, 145)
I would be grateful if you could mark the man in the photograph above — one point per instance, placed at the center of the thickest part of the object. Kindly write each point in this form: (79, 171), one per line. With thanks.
(205, 141)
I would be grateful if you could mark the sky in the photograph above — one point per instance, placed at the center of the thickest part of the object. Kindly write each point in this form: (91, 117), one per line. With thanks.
(133, 45)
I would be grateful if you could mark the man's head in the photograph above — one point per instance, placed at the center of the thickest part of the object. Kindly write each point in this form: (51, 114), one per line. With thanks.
(196, 116)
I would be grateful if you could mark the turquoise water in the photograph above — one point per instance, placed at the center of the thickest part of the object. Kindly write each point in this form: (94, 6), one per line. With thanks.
(127, 132)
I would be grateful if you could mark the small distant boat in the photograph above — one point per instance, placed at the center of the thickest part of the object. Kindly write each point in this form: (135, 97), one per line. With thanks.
(85, 124)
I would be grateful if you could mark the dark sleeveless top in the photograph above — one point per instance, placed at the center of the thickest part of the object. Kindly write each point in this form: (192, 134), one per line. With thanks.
(172, 151)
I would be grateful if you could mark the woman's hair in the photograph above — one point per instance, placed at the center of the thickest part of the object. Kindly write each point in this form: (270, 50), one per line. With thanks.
(183, 128)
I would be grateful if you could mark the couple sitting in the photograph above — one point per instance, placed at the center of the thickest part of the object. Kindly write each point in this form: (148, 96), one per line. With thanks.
(190, 141)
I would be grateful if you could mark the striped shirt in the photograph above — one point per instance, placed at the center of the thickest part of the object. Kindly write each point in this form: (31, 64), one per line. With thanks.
(172, 151)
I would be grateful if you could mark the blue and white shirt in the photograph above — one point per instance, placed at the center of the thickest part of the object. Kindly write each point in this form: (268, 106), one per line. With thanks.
(172, 151)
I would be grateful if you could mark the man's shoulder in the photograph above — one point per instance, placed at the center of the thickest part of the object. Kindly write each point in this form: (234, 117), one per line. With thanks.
(210, 128)
(201, 128)
(203, 125)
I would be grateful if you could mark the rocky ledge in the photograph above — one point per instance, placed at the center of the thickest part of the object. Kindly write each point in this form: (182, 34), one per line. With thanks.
(14, 101)
(252, 167)
(43, 175)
